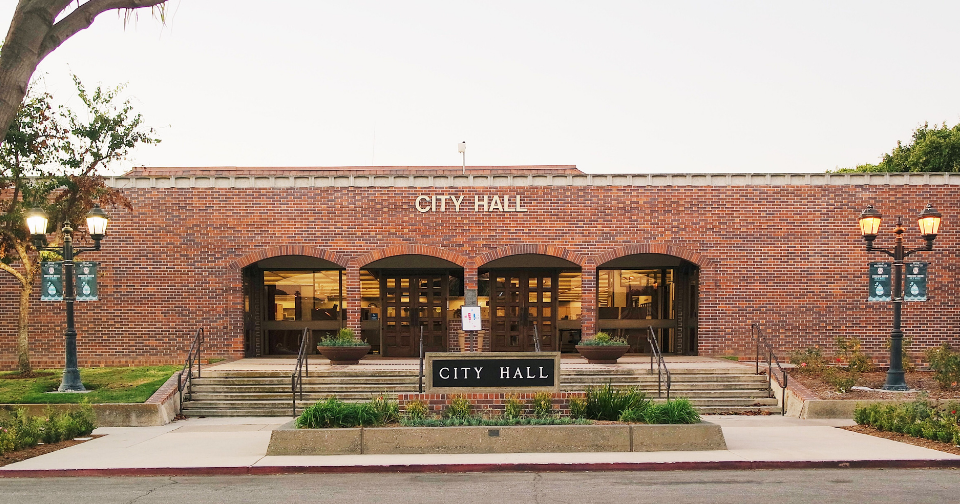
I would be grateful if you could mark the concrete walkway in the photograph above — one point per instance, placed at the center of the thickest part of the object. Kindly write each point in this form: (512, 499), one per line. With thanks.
(238, 446)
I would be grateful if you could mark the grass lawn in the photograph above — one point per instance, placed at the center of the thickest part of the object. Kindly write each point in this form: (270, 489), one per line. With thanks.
(106, 385)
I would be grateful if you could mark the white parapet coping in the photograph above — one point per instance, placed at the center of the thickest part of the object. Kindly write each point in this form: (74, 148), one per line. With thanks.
(539, 180)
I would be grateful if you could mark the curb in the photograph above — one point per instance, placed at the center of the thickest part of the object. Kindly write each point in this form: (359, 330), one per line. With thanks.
(484, 468)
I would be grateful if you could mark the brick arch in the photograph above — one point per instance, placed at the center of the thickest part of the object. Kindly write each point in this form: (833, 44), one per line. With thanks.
(284, 250)
(424, 250)
(654, 248)
(530, 248)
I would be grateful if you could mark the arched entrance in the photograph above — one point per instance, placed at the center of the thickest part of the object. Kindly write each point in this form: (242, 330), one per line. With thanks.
(283, 295)
(532, 302)
(406, 297)
(638, 291)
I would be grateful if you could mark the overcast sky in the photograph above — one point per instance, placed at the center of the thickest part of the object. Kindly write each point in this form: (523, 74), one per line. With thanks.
(612, 87)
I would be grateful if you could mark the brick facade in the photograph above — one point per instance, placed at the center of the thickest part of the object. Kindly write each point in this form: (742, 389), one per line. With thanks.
(781, 250)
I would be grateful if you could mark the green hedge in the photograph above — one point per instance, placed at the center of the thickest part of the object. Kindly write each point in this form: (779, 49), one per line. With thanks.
(19, 430)
(920, 418)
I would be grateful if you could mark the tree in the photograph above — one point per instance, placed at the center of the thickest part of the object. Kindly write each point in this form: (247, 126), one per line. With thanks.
(39, 27)
(935, 149)
(51, 159)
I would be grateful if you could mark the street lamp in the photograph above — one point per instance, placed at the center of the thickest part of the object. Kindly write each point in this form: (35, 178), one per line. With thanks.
(929, 223)
(97, 221)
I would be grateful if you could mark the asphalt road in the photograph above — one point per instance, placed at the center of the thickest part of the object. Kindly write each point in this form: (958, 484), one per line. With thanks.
(782, 486)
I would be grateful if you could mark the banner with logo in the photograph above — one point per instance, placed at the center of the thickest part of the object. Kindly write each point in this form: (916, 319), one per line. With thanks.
(85, 285)
(916, 287)
(51, 286)
(880, 275)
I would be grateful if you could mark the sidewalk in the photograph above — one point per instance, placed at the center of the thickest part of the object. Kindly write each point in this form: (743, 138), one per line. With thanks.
(205, 446)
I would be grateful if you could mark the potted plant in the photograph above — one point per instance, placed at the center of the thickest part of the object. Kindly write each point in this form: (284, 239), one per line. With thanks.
(603, 349)
(344, 348)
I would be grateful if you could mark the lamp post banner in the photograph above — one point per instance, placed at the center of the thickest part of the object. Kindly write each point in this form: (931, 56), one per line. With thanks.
(51, 288)
(880, 276)
(916, 289)
(86, 280)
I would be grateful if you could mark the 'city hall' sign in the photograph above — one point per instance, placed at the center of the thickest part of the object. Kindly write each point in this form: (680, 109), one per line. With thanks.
(450, 203)
(489, 372)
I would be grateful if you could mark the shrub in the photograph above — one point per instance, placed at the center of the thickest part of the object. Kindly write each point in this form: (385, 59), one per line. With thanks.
(809, 359)
(344, 337)
(459, 407)
(578, 407)
(23, 431)
(542, 404)
(920, 418)
(607, 403)
(416, 410)
(335, 413)
(850, 352)
(512, 407)
(841, 380)
(677, 411)
(603, 339)
(945, 363)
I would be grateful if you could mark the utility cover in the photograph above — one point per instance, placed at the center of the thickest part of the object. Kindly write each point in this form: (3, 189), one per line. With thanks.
(880, 275)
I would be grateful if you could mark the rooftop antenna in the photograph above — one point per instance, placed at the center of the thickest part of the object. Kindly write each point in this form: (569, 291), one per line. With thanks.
(462, 149)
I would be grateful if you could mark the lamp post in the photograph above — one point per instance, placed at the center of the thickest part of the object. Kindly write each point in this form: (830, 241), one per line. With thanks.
(929, 223)
(97, 221)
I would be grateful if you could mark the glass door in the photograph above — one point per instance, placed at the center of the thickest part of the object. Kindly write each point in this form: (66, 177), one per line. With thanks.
(523, 308)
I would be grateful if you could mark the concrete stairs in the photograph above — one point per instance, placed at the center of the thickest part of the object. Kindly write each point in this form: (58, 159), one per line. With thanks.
(712, 391)
(268, 393)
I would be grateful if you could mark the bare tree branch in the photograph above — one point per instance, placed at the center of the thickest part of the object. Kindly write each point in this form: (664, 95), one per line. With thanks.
(83, 17)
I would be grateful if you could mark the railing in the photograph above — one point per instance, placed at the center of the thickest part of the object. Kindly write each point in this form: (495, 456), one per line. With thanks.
(296, 379)
(185, 380)
(771, 359)
(661, 364)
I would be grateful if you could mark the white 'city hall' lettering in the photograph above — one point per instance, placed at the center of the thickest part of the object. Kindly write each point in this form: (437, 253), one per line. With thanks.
(443, 202)
(459, 373)
(505, 373)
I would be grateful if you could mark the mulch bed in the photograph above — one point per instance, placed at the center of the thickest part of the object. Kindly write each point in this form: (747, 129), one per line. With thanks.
(903, 438)
(922, 381)
(41, 449)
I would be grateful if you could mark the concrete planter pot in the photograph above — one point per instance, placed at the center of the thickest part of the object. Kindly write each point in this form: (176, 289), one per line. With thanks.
(343, 355)
(602, 354)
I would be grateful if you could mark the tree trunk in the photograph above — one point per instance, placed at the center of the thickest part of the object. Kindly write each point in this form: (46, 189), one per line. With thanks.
(23, 328)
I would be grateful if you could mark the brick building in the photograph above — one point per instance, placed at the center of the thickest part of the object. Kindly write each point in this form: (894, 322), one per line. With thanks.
(256, 255)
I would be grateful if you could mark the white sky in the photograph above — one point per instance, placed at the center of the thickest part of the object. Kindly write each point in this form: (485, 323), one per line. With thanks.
(613, 87)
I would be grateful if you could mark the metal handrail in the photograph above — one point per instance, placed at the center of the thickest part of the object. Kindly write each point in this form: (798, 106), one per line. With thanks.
(771, 359)
(185, 379)
(661, 363)
(296, 379)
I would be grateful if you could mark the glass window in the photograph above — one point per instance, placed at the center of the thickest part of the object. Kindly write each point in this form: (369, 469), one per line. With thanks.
(635, 294)
(568, 295)
(303, 295)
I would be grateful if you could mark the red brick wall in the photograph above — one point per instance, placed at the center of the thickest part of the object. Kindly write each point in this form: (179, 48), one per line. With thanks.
(789, 257)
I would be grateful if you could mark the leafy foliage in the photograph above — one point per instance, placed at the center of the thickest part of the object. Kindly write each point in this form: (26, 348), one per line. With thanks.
(920, 418)
(344, 338)
(809, 359)
(473, 420)
(603, 339)
(933, 149)
(20, 430)
(459, 407)
(542, 404)
(52, 159)
(512, 407)
(335, 413)
(607, 403)
(945, 363)
(849, 352)
(677, 411)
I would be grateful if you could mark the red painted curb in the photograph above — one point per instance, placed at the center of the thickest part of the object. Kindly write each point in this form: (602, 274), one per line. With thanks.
(463, 468)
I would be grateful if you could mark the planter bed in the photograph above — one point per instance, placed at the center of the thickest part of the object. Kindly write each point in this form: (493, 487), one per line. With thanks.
(511, 439)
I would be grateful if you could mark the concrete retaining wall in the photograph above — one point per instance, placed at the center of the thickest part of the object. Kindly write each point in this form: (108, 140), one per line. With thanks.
(513, 439)
(160, 409)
